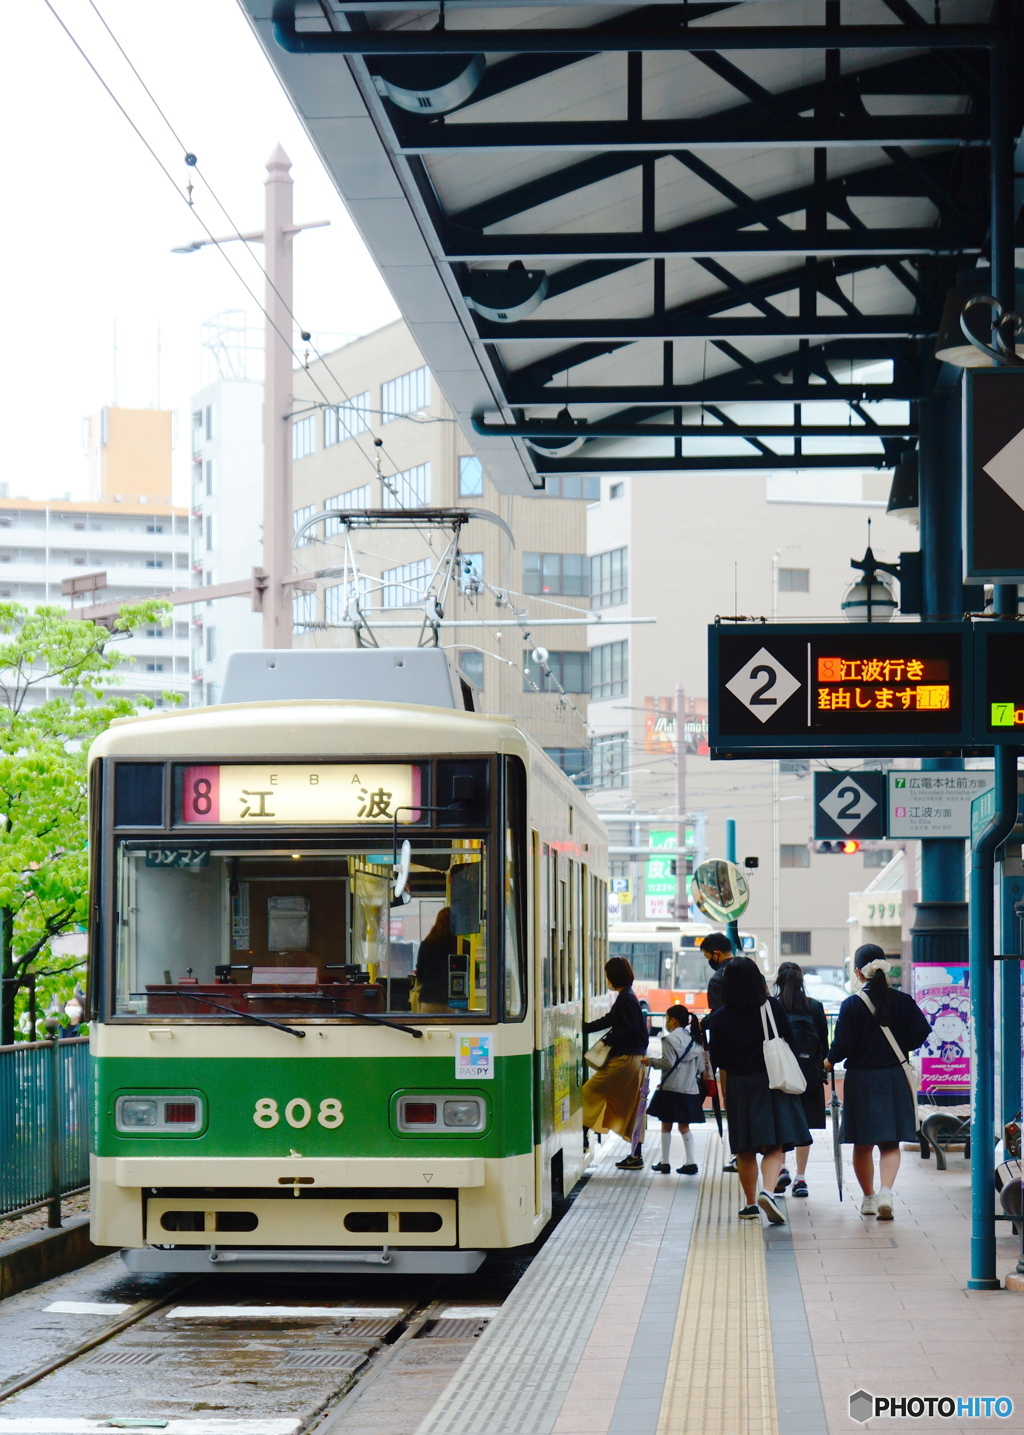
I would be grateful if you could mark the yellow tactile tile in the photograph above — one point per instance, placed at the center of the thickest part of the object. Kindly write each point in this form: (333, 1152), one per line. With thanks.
(720, 1377)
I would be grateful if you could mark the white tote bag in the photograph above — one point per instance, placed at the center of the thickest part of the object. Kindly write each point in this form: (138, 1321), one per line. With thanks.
(783, 1069)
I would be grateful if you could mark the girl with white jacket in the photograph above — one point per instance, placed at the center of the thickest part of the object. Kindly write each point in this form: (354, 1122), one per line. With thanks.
(679, 1100)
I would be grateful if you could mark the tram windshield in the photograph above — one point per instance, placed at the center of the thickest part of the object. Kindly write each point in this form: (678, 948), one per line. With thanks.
(306, 933)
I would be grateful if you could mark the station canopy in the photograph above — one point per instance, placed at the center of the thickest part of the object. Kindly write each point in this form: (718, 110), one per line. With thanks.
(666, 238)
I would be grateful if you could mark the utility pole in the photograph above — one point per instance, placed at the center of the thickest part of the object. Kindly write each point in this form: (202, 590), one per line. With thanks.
(278, 233)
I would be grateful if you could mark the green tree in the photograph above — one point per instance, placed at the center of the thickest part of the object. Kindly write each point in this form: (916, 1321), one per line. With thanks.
(43, 793)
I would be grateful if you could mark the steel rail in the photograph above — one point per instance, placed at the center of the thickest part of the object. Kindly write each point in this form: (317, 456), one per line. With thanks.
(100, 1338)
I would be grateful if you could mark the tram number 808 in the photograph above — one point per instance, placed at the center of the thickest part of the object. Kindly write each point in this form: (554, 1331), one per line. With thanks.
(298, 1113)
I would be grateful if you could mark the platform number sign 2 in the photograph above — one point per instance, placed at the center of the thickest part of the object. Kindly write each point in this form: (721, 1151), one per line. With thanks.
(763, 685)
(848, 804)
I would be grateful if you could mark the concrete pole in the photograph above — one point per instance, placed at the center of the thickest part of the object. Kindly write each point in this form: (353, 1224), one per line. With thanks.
(278, 235)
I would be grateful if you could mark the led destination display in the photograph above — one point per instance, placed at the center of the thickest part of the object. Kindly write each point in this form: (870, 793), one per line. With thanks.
(844, 689)
(1000, 683)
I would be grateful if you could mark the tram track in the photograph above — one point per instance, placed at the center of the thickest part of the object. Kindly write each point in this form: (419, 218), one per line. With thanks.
(283, 1368)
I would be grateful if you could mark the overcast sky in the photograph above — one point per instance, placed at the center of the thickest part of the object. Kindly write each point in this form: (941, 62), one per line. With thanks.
(90, 219)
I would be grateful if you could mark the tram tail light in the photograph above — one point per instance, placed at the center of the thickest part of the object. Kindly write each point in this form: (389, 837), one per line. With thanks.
(420, 1113)
(177, 1113)
(462, 1113)
(137, 1113)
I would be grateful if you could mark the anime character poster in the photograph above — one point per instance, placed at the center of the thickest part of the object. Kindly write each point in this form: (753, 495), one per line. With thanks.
(943, 994)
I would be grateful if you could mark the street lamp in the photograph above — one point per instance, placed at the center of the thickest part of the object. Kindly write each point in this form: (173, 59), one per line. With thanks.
(871, 598)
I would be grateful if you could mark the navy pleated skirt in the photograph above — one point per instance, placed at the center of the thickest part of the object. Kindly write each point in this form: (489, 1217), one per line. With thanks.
(677, 1107)
(760, 1118)
(878, 1108)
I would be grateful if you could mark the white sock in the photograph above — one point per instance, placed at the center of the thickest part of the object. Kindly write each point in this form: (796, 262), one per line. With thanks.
(666, 1142)
(688, 1150)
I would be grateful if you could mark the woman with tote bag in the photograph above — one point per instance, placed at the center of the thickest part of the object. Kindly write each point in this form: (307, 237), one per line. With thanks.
(875, 1032)
(764, 1120)
(611, 1096)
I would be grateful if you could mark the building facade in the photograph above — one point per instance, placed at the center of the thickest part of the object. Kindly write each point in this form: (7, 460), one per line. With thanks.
(537, 663)
(776, 545)
(225, 513)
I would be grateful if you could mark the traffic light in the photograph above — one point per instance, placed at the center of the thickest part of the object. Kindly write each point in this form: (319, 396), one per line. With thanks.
(847, 848)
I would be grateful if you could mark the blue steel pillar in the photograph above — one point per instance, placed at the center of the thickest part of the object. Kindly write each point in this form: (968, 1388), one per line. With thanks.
(939, 933)
(730, 852)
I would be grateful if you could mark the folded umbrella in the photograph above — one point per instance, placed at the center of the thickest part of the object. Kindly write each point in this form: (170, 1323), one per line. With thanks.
(837, 1150)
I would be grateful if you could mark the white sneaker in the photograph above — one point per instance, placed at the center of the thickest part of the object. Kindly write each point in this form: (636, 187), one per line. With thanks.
(869, 1206)
(884, 1204)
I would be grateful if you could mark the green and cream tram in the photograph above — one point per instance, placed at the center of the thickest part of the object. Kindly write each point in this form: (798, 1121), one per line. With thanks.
(344, 936)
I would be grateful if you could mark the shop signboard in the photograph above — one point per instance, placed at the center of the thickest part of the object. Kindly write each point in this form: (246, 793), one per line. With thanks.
(943, 993)
(661, 883)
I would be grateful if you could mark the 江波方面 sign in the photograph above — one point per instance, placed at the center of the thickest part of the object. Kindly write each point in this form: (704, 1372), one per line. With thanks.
(296, 793)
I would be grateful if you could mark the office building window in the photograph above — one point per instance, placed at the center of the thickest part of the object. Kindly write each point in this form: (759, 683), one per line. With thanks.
(409, 489)
(405, 394)
(794, 854)
(181, 632)
(209, 475)
(555, 573)
(794, 766)
(355, 498)
(212, 695)
(304, 436)
(472, 664)
(616, 490)
(609, 578)
(304, 610)
(154, 632)
(574, 762)
(609, 669)
(570, 669)
(405, 586)
(209, 533)
(610, 760)
(795, 944)
(879, 857)
(347, 420)
(154, 528)
(211, 644)
(154, 667)
(572, 485)
(794, 580)
(301, 515)
(209, 421)
(471, 477)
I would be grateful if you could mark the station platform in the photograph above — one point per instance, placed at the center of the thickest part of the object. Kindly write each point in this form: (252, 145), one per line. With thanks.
(653, 1310)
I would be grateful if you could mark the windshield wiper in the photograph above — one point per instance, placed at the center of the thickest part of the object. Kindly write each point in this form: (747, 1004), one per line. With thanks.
(382, 1021)
(245, 1015)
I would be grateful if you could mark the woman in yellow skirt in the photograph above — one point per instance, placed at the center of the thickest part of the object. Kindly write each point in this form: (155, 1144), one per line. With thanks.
(612, 1094)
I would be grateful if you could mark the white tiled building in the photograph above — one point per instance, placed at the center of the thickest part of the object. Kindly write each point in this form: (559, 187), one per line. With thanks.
(141, 545)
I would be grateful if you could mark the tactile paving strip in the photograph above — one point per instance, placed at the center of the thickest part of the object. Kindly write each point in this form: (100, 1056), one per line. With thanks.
(720, 1375)
(514, 1381)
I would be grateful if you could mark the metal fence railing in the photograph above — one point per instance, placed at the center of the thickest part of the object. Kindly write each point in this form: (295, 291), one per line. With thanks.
(44, 1123)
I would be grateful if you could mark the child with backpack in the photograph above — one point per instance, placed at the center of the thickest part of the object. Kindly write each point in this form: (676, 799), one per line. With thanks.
(679, 1100)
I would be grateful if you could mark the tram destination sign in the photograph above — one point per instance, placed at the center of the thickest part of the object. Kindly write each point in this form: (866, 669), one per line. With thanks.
(999, 683)
(299, 794)
(839, 689)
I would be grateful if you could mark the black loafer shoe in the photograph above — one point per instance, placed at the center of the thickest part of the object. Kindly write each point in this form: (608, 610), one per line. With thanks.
(661, 1166)
(689, 1170)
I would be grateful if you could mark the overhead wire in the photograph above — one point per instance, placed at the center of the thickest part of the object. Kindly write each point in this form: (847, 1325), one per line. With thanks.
(187, 198)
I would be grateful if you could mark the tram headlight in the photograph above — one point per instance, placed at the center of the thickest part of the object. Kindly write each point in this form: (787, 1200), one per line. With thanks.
(132, 1113)
(463, 1113)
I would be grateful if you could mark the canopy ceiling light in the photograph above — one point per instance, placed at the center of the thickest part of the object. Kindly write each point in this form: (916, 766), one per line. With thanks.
(506, 295)
(558, 447)
(903, 495)
(872, 598)
(428, 86)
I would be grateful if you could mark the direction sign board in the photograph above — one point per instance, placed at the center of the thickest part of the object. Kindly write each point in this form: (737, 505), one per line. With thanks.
(848, 804)
(999, 683)
(994, 473)
(934, 804)
(839, 689)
